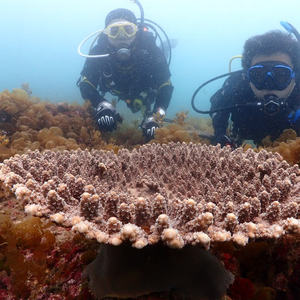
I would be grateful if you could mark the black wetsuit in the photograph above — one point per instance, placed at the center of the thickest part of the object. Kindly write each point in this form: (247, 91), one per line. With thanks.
(144, 76)
(249, 122)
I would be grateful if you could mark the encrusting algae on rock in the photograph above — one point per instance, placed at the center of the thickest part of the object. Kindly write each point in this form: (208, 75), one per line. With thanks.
(41, 261)
(166, 197)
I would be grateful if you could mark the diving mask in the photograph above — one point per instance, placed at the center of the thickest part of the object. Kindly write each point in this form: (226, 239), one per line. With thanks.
(271, 75)
(121, 29)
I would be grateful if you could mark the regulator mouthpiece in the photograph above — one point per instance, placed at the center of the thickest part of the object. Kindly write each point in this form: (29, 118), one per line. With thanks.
(272, 105)
(123, 54)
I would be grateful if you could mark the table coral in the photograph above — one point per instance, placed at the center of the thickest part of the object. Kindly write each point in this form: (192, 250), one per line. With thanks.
(175, 194)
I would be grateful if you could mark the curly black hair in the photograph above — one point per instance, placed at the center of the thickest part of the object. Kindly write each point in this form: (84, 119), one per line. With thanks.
(270, 43)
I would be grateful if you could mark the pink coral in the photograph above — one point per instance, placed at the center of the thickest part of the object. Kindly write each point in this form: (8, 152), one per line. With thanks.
(176, 193)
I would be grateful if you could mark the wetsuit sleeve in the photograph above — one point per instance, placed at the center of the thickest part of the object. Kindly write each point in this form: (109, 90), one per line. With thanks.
(294, 120)
(164, 96)
(232, 90)
(161, 76)
(90, 76)
(219, 119)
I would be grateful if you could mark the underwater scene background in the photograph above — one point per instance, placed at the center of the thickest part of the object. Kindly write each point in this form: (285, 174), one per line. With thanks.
(47, 239)
(39, 40)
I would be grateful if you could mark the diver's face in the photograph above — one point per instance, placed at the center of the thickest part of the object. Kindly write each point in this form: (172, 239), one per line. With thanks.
(123, 39)
(276, 57)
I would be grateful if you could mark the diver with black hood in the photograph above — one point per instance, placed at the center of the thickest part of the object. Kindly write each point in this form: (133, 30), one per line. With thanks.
(126, 62)
(263, 98)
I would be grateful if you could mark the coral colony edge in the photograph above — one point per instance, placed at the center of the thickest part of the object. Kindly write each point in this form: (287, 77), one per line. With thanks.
(178, 220)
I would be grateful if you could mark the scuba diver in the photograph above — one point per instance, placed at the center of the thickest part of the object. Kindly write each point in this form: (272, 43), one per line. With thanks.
(263, 98)
(126, 62)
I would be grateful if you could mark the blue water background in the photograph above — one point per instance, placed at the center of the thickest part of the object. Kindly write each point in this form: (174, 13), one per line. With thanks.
(39, 39)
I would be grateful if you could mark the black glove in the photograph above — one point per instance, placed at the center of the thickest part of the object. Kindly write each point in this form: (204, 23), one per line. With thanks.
(149, 126)
(223, 140)
(107, 116)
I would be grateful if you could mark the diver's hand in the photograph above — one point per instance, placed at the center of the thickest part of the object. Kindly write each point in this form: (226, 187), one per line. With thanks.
(223, 140)
(149, 126)
(107, 116)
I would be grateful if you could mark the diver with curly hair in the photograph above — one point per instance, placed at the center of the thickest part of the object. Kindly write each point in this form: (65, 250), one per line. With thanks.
(264, 98)
(127, 63)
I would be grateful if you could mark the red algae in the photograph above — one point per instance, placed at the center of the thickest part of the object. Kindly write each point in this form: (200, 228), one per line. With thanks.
(37, 261)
